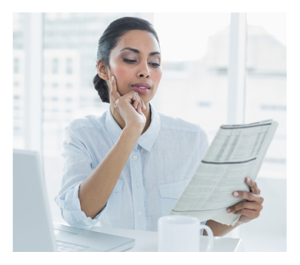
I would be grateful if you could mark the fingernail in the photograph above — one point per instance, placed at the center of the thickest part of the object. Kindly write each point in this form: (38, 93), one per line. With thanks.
(235, 194)
(112, 78)
(248, 179)
(228, 210)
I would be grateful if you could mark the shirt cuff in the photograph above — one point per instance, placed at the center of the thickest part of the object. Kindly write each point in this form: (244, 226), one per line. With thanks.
(71, 210)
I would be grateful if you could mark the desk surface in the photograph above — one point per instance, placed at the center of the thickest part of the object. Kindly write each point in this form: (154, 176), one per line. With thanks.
(146, 241)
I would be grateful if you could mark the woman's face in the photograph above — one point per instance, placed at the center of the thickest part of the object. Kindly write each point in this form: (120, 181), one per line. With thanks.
(135, 63)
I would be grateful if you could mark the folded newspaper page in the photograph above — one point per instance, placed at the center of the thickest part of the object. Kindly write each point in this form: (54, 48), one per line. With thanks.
(236, 152)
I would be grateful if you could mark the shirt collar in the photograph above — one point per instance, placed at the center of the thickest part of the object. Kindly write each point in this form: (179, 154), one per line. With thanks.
(146, 140)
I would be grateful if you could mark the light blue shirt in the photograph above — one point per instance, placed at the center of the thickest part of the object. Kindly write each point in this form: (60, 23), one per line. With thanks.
(157, 171)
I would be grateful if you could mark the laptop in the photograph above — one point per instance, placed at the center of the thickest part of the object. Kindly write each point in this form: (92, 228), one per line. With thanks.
(33, 229)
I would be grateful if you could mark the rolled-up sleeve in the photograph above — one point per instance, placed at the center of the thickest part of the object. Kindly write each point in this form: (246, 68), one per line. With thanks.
(77, 167)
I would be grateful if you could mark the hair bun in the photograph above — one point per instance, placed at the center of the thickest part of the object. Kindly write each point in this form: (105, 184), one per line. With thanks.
(102, 88)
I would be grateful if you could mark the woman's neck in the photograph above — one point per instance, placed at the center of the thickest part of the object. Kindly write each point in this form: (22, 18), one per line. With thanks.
(121, 122)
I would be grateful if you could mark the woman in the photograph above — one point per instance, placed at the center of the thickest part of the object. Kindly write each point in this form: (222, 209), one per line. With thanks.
(128, 167)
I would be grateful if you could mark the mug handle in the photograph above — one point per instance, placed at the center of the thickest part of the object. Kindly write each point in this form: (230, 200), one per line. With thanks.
(210, 235)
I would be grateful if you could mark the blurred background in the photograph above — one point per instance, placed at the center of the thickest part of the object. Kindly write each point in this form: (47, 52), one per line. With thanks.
(218, 68)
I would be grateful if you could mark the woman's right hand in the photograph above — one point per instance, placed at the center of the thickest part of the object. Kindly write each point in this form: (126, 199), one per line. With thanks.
(129, 106)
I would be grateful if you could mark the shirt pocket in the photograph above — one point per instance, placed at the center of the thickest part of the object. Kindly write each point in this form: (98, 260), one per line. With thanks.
(170, 194)
(115, 201)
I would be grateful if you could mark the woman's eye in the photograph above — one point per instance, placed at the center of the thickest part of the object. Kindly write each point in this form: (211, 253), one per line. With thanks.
(155, 64)
(134, 61)
(129, 61)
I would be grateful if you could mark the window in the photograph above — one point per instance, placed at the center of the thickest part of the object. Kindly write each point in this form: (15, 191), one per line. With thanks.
(18, 81)
(273, 107)
(266, 77)
(47, 65)
(55, 66)
(69, 64)
(16, 65)
(203, 104)
(195, 61)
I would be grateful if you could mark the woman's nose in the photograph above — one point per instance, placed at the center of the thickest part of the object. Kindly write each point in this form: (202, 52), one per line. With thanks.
(144, 71)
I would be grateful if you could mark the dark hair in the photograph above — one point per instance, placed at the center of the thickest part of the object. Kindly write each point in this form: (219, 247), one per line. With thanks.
(109, 40)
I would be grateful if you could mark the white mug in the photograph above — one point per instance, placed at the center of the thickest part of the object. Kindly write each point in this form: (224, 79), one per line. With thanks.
(179, 233)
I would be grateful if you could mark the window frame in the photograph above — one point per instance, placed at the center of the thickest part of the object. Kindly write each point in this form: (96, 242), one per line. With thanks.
(237, 69)
(34, 75)
(33, 81)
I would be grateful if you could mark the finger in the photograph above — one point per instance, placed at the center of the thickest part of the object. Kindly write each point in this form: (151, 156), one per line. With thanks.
(114, 90)
(245, 205)
(135, 104)
(141, 105)
(249, 213)
(249, 196)
(138, 102)
(144, 105)
(135, 99)
(253, 186)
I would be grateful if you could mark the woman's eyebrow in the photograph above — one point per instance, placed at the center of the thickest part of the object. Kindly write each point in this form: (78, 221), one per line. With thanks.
(137, 51)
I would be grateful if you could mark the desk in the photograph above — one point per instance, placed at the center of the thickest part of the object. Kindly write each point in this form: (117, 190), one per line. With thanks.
(146, 241)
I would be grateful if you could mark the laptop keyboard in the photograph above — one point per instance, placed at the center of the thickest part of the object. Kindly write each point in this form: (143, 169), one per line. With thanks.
(69, 247)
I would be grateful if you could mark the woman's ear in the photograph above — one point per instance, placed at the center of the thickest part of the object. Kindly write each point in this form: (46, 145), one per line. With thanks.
(102, 71)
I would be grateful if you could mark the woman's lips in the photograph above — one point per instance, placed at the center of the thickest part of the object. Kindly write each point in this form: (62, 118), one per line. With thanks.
(141, 88)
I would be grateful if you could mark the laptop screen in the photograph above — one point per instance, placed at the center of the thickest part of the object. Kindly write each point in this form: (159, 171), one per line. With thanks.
(32, 222)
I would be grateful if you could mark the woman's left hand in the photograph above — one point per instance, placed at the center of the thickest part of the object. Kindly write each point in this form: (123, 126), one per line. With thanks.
(251, 208)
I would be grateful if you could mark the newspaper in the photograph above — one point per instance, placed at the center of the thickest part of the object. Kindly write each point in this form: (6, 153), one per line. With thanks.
(236, 152)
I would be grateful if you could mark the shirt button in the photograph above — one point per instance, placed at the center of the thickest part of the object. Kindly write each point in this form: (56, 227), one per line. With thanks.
(139, 212)
(137, 184)
(135, 158)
